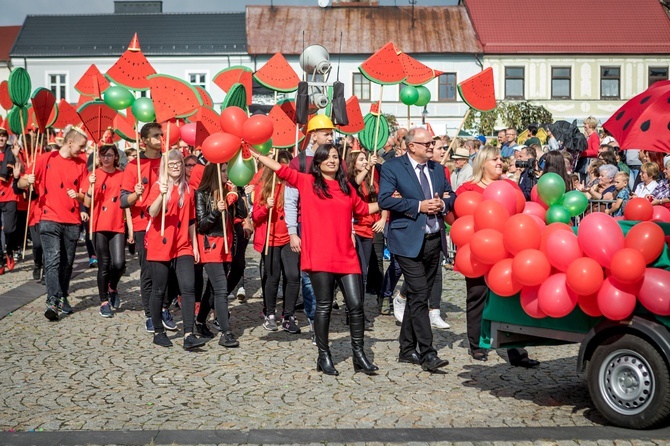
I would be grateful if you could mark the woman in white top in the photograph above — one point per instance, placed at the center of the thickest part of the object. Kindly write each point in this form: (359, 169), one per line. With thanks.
(649, 173)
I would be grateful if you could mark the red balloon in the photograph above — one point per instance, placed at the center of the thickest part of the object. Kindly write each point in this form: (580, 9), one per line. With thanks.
(648, 238)
(585, 276)
(638, 209)
(530, 267)
(462, 230)
(533, 208)
(654, 292)
(589, 305)
(554, 297)
(467, 265)
(500, 280)
(487, 246)
(490, 215)
(187, 133)
(628, 265)
(550, 229)
(220, 147)
(540, 223)
(562, 248)
(661, 213)
(232, 119)
(173, 137)
(614, 301)
(466, 203)
(600, 237)
(503, 193)
(520, 201)
(257, 129)
(529, 302)
(450, 218)
(535, 197)
(521, 232)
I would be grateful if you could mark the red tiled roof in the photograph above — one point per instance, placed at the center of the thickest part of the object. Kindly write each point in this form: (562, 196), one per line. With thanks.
(7, 37)
(571, 26)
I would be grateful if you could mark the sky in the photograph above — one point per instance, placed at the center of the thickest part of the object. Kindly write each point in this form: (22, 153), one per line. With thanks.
(13, 12)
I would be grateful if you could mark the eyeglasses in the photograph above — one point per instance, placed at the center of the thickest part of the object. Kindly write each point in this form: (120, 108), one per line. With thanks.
(174, 165)
(190, 165)
(425, 144)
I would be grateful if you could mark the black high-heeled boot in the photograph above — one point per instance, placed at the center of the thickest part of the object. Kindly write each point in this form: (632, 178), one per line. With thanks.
(324, 363)
(356, 327)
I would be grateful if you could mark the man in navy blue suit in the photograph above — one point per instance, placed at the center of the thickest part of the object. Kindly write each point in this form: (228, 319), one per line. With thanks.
(415, 191)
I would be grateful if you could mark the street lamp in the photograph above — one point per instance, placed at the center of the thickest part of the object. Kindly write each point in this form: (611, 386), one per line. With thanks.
(424, 113)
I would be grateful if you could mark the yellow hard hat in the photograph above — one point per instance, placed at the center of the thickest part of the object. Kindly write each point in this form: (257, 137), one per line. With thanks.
(320, 122)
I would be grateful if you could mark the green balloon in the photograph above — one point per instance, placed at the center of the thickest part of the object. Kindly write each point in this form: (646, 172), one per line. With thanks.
(264, 147)
(424, 96)
(143, 110)
(409, 95)
(550, 188)
(118, 98)
(575, 202)
(240, 171)
(558, 214)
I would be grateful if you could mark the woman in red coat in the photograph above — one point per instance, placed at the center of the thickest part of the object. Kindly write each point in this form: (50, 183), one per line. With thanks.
(328, 204)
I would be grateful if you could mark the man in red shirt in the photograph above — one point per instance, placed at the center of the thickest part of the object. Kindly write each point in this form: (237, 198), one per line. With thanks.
(8, 202)
(58, 178)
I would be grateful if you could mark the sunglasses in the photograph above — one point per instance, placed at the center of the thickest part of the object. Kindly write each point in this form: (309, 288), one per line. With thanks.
(425, 144)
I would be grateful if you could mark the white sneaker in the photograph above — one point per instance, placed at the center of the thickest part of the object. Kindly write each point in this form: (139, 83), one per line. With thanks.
(399, 303)
(436, 320)
(241, 295)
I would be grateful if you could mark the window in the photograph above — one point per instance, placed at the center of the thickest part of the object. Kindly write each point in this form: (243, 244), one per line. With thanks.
(446, 87)
(657, 74)
(198, 79)
(514, 83)
(610, 80)
(560, 83)
(58, 85)
(361, 87)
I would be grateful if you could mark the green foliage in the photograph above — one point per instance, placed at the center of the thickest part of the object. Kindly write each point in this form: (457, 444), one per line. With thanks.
(512, 114)
(392, 121)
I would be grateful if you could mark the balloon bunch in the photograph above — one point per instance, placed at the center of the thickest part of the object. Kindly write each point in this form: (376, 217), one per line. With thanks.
(418, 96)
(120, 98)
(554, 270)
(640, 209)
(560, 206)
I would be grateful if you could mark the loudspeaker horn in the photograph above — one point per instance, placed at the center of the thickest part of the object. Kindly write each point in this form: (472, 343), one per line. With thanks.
(315, 58)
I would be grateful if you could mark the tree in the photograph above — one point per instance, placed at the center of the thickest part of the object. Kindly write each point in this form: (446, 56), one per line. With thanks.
(513, 114)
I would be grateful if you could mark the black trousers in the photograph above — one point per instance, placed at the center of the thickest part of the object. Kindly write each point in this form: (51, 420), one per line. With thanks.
(110, 250)
(239, 263)
(364, 251)
(145, 275)
(9, 224)
(217, 281)
(435, 297)
(38, 252)
(281, 261)
(182, 268)
(376, 266)
(419, 272)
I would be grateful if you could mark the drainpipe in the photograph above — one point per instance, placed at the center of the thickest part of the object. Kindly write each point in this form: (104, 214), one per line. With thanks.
(479, 61)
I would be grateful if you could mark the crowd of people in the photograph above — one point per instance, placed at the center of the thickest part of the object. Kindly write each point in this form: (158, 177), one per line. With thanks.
(320, 220)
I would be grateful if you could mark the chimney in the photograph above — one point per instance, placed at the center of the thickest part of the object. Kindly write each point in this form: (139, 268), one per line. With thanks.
(130, 7)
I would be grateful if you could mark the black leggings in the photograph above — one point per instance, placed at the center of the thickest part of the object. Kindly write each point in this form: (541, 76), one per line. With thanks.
(38, 252)
(182, 268)
(235, 269)
(281, 261)
(217, 281)
(109, 247)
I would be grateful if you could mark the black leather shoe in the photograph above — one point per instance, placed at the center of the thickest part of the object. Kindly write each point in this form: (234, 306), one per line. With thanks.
(325, 364)
(480, 356)
(363, 364)
(526, 362)
(412, 358)
(432, 362)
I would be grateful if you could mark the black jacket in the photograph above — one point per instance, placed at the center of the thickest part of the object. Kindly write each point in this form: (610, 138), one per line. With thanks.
(208, 217)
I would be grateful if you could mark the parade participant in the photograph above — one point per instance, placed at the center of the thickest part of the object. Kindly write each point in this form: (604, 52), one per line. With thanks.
(328, 205)
(58, 178)
(209, 210)
(103, 188)
(415, 237)
(175, 251)
(8, 203)
(133, 196)
(280, 260)
(487, 168)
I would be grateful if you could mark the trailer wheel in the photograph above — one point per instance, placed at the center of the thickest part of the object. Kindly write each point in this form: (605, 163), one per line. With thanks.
(629, 382)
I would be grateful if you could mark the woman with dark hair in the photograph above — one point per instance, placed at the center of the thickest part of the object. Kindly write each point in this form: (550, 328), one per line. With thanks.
(103, 187)
(609, 157)
(555, 162)
(280, 260)
(210, 209)
(328, 254)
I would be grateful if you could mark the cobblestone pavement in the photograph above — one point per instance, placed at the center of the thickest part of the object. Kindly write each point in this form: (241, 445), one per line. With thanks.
(87, 373)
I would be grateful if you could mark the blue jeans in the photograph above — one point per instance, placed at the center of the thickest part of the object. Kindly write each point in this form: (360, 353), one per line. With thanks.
(59, 242)
(634, 172)
(391, 278)
(308, 298)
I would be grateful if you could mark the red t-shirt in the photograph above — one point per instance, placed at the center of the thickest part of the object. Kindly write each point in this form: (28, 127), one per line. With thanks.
(196, 176)
(326, 224)
(6, 190)
(54, 175)
(176, 241)
(363, 225)
(107, 212)
(35, 214)
(149, 170)
(278, 230)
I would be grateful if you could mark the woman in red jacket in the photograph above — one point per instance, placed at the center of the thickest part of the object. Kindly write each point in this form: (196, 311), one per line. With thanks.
(328, 254)
(104, 187)
(176, 250)
(280, 259)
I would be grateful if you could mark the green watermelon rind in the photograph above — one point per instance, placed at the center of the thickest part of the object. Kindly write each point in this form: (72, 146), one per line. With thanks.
(263, 72)
(236, 97)
(367, 135)
(53, 121)
(20, 86)
(184, 85)
(121, 133)
(472, 81)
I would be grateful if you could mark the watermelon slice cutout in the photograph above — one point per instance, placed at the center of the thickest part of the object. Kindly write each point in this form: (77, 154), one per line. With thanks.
(355, 116)
(209, 118)
(237, 74)
(288, 105)
(43, 101)
(5, 99)
(277, 75)
(96, 116)
(417, 73)
(479, 91)
(385, 66)
(67, 115)
(284, 129)
(132, 69)
(86, 84)
(173, 97)
(124, 126)
(204, 95)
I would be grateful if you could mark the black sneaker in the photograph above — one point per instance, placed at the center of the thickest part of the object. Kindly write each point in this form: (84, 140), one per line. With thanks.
(203, 331)
(51, 312)
(162, 339)
(215, 322)
(106, 310)
(289, 324)
(37, 273)
(65, 306)
(192, 341)
(114, 299)
(228, 340)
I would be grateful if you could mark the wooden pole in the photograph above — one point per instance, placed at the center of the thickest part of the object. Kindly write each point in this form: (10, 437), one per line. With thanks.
(137, 149)
(224, 219)
(408, 118)
(297, 132)
(23, 136)
(344, 149)
(272, 194)
(374, 144)
(451, 144)
(167, 150)
(25, 233)
(90, 218)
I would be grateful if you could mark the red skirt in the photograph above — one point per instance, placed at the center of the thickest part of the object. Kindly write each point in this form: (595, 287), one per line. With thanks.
(212, 249)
